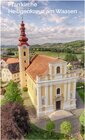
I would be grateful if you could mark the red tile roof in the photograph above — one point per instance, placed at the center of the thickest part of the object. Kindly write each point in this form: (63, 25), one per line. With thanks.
(12, 60)
(39, 65)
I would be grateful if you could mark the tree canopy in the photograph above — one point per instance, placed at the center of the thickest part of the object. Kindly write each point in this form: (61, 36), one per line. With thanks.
(66, 127)
(71, 57)
(82, 118)
(82, 60)
(50, 126)
(12, 93)
(15, 121)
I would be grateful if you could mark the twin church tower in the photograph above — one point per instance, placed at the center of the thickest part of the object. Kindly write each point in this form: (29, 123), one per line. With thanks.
(24, 61)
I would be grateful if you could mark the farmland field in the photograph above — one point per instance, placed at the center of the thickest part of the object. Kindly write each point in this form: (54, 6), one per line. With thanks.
(55, 54)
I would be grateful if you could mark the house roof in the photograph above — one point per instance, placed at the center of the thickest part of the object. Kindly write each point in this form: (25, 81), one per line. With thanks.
(13, 64)
(4, 59)
(13, 67)
(12, 60)
(39, 65)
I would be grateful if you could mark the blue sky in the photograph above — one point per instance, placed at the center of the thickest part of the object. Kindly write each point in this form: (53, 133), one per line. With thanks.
(46, 27)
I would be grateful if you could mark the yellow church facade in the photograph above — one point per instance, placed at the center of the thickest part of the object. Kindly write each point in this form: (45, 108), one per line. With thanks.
(53, 90)
(50, 86)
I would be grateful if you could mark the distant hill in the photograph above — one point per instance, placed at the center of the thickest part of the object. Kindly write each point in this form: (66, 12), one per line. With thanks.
(74, 46)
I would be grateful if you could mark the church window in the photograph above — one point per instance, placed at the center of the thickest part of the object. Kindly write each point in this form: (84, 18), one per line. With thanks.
(58, 90)
(71, 95)
(25, 61)
(24, 53)
(58, 70)
(43, 100)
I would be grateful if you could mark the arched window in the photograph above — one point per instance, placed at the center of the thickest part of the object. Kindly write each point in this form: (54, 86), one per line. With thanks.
(58, 69)
(24, 53)
(58, 90)
(71, 95)
(43, 100)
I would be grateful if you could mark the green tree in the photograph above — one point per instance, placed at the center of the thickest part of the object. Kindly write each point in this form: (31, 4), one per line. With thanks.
(71, 57)
(82, 121)
(82, 118)
(73, 139)
(84, 136)
(15, 121)
(82, 60)
(12, 93)
(66, 128)
(50, 126)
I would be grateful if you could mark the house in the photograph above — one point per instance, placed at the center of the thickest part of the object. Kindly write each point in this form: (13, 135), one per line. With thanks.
(76, 64)
(50, 86)
(10, 70)
(3, 62)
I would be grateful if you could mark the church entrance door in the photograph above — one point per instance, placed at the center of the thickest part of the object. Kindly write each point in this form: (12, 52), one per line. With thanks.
(58, 105)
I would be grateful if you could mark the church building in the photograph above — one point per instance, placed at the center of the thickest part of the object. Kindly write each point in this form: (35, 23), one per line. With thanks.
(50, 86)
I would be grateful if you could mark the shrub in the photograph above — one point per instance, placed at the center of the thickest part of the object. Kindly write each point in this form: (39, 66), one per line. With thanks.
(15, 121)
(82, 129)
(84, 136)
(80, 84)
(82, 60)
(82, 118)
(82, 121)
(66, 127)
(25, 89)
(73, 139)
(50, 126)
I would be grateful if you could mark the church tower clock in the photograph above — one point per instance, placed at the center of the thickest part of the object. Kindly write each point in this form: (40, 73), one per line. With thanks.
(23, 49)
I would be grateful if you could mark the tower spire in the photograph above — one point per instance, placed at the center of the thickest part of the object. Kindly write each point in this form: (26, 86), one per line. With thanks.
(22, 17)
(23, 39)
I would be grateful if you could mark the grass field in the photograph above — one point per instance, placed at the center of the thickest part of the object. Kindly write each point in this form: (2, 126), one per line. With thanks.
(41, 134)
(48, 53)
(55, 54)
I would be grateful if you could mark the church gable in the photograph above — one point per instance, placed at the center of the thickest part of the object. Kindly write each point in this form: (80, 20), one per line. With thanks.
(40, 65)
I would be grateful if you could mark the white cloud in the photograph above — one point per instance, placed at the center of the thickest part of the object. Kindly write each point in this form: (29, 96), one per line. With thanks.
(4, 2)
(8, 24)
(10, 33)
(50, 16)
(57, 19)
(45, 2)
(82, 20)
